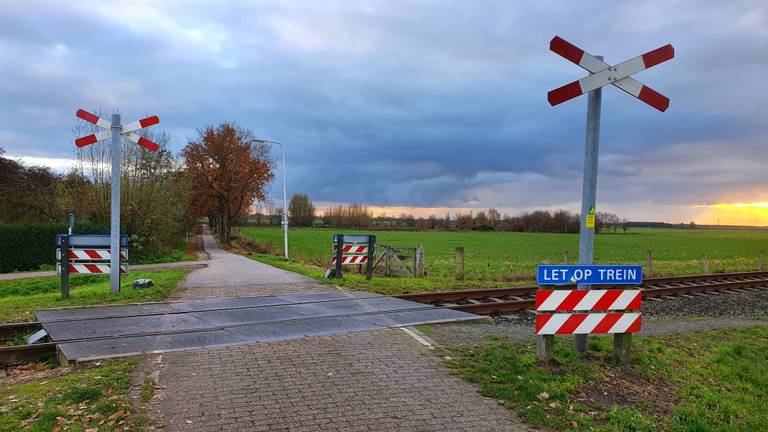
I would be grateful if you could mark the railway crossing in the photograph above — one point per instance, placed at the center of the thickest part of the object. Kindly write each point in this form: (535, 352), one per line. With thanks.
(91, 333)
(600, 75)
(115, 130)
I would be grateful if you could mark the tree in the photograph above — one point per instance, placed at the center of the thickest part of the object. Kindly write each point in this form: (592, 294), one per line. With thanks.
(482, 223)
(301, 210)
(229, 171)
(494, 217)
(154, 193)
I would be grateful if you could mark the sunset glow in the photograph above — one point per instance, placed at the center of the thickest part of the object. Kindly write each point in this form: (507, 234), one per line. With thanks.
(753, 214)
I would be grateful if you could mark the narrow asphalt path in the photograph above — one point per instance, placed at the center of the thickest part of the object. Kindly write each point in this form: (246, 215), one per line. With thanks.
(230, 275)
(368, 381)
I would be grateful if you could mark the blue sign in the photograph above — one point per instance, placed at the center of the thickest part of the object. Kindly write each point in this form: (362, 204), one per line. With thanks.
(355, 238)
(91, 240)
(562, 274)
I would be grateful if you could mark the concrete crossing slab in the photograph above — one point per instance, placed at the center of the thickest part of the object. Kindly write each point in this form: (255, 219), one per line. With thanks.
(114, 331)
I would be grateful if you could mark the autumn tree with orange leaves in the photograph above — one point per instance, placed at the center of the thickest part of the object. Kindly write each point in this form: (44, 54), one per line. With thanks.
(229, 171)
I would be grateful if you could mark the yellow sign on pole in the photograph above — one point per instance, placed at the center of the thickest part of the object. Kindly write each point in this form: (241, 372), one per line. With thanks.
(591, 218)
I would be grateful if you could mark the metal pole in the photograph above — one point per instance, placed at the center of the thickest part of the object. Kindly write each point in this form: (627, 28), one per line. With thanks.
(285, 207)
(284, 221)
(589, 191)
(114, 239)
(64, 263)
(339, 254)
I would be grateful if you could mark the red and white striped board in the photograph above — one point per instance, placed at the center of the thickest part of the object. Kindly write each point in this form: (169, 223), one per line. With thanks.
(602, 74)
(91, 254)
(625, 318)
(588, 323)
(588, 300)
(352, 248)
(90, 268)
(351, 259)
(127, 130)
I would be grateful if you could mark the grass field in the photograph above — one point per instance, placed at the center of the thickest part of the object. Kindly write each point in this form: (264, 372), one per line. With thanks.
(19, 298)
(706, 381)
(502, 258)
(92, 398)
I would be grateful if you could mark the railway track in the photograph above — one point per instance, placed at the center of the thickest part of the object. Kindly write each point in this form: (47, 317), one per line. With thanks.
(517, 299)
(481, 301)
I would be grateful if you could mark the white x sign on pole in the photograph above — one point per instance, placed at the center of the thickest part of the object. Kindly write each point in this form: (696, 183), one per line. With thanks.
(602, 73)
(115, 130)
(126, 130)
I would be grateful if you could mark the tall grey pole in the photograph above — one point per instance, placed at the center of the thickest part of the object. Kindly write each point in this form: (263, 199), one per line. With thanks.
(589, 191)
(114, 239)
(284, 221)
(285, 207)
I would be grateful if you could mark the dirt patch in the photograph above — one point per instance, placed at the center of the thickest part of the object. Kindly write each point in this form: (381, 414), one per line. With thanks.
(32, 372)
(621, 387)
(243, 245)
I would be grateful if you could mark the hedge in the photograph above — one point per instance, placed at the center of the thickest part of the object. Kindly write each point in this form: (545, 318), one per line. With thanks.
(27, 246)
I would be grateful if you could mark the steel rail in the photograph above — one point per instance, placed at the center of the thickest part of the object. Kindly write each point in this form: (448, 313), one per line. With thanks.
(494, 299)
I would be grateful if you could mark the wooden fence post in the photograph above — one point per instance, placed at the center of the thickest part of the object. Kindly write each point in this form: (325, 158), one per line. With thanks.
(705, 263)
(566, 258)
(420, 261)
(648, 264)
(387, 255)
(460, 263)
(761, 260)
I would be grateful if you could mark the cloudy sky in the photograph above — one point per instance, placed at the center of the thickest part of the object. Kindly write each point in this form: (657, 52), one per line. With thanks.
(422, 106)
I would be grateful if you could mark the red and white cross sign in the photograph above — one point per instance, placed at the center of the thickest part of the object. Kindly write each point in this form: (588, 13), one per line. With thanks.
(127, 130)
(602, 74)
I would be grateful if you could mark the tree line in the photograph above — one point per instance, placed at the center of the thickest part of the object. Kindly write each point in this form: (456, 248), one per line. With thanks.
(302, 213)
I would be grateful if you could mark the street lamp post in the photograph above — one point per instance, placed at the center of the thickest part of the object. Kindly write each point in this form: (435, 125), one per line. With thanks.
(285, 195)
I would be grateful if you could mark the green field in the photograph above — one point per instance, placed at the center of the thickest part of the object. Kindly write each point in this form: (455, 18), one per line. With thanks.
(503, 258)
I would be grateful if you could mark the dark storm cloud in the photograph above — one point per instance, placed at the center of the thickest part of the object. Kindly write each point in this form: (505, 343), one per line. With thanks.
(434, 104)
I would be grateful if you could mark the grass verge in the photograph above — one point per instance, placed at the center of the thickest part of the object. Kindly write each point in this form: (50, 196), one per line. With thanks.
(381, 285)
(19, 298)
(93, 398)
(704, 381)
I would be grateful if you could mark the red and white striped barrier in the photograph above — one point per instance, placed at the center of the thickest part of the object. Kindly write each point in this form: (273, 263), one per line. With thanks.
(352, 259)
(352, 248)
(89, 268)
(588, 300)
(91, 254)
(602, 73)
(587, 323)
(625, 318)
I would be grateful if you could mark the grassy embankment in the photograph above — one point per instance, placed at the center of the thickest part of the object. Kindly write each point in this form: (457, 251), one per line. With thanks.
(19, 298)
(707, 381)
(503, 258)
(90, 398)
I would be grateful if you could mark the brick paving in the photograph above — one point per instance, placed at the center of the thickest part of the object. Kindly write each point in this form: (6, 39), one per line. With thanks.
(369, 381)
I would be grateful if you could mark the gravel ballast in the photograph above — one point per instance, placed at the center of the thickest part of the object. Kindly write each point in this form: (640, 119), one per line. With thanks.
(669, 315)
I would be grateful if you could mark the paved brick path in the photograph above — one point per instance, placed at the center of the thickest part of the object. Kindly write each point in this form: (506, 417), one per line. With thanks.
(369, 381)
